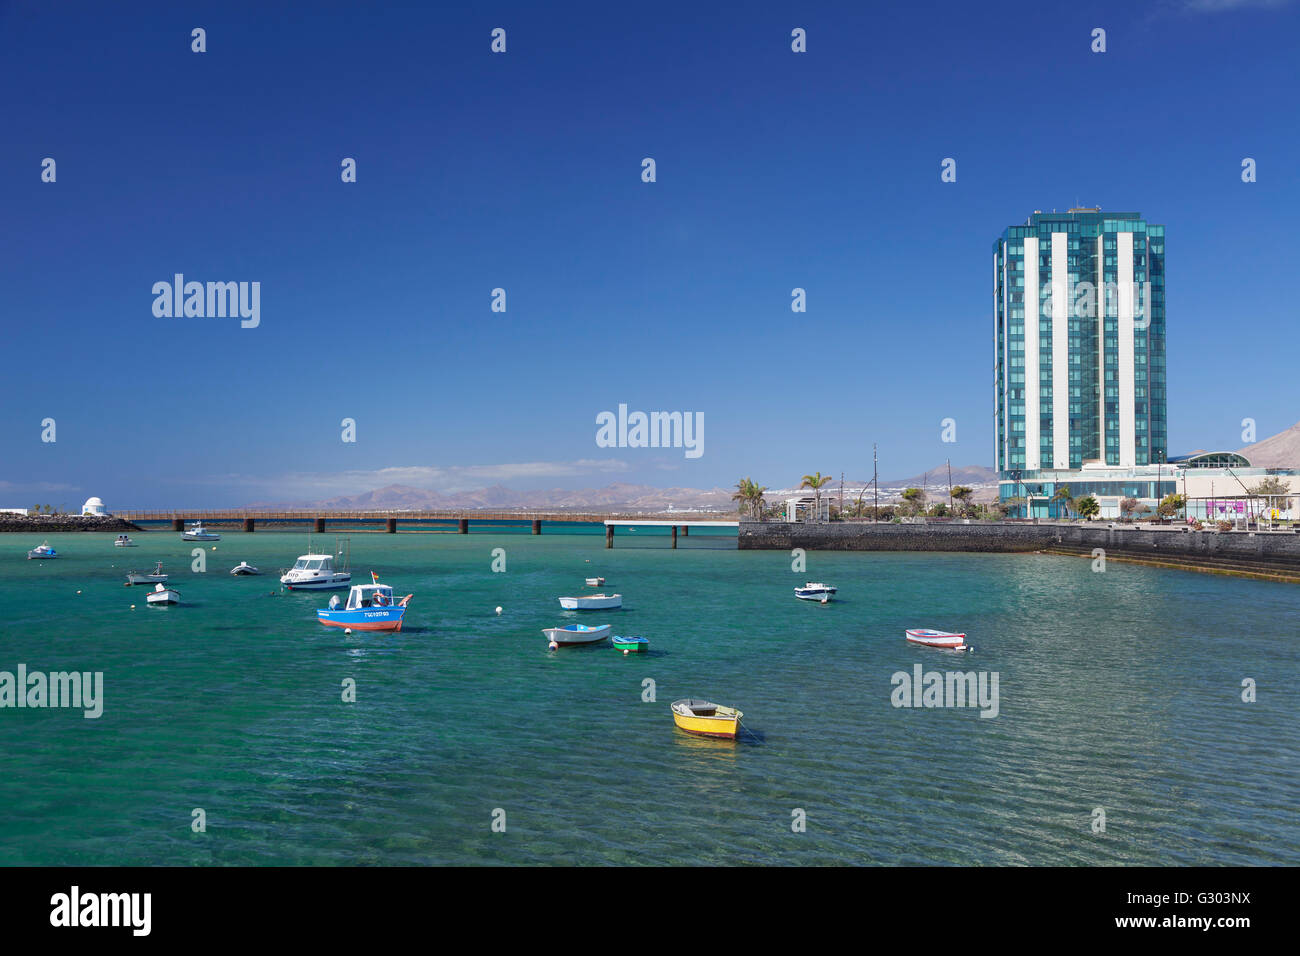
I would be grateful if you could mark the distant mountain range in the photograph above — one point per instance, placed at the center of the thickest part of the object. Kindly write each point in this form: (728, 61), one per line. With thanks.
(1280, 450)
(617, 497)
(970, 475)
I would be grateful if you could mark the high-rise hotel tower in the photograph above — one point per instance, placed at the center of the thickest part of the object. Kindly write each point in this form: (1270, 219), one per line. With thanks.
(1079, 342)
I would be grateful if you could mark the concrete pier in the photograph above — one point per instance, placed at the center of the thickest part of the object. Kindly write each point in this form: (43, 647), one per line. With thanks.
(248, 525)
(320, 525)
(178, 524)
(609, 536)
(391, 526)
(463, 526)
(537, 526)
(1273, 554)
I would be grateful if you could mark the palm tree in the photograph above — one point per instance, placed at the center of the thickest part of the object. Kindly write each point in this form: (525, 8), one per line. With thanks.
(756, 499)
(1064, 497)
(1088, 507)
(816, 482)
(743, 494)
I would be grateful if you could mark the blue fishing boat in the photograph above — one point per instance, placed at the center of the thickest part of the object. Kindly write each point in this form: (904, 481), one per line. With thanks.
(370, 607)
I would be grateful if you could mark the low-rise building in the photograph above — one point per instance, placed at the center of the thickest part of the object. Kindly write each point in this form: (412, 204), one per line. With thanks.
(1216, 485)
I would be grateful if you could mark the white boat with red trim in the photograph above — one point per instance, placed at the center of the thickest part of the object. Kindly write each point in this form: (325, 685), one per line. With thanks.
(930, 637)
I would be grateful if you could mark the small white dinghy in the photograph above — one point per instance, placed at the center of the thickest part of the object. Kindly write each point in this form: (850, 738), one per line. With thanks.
(592, 602)
(124, 541)
(575, 634)
(243, 567)
(930, 637)
(161, 594)
(595, 582)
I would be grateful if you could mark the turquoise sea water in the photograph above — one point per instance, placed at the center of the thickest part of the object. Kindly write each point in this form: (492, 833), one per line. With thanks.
(1119, 690)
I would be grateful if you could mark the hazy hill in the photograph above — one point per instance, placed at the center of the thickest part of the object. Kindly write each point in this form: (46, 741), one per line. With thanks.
(617, 497)
(1280, 451)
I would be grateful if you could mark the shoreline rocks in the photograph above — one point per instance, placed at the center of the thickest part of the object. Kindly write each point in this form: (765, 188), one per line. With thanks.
(52, 524)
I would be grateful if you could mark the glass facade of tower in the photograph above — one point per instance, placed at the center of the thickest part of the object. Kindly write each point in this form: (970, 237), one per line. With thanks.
(1079, 341)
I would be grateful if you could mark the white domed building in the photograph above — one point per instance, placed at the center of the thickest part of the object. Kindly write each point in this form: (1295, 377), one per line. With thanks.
(94, 507)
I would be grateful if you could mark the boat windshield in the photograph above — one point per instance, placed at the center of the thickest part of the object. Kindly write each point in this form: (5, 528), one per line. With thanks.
(301, 565)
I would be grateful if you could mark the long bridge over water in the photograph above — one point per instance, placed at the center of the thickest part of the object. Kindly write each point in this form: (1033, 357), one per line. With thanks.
(443, 521)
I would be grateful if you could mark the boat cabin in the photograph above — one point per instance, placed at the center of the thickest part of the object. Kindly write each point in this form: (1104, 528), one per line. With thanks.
(369, 595)
(315, 563)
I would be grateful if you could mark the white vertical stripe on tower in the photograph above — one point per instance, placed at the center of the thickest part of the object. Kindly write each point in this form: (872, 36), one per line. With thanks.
(1060, 351)
(1127, 434)
(1031, 355)
(1006, 352)
(999, 384)
(1098, 280)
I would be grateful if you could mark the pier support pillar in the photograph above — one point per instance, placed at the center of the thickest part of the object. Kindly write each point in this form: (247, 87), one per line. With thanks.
(537, 526)
(464, 526)
(686, 531)
(320, 525)
(178, 524)
(674, 536)
(248, 524)
(391, 526)
(609, 536)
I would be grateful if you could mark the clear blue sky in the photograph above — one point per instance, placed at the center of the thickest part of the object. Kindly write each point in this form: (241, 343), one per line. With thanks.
(775, 170)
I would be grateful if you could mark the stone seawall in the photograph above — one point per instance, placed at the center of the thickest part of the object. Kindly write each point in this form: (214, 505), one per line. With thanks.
(50, 524)
(1229, 550)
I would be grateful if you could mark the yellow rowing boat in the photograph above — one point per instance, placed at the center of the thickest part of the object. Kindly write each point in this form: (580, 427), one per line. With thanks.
(705, 718)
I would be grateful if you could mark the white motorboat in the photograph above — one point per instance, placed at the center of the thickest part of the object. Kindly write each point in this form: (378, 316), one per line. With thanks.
(196, 532)
(316, 572)
(815, 591)
(41, 551)
(162, 594)
(930, 637)
(243, 567)
(575, 634)
(146, 577)
(592, 602)
(124, 541)
(595, 582)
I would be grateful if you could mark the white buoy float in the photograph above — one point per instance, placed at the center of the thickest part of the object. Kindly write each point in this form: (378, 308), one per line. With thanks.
(498, 606)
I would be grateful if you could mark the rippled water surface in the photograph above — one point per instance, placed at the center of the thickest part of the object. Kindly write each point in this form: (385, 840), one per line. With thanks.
(1119, 691)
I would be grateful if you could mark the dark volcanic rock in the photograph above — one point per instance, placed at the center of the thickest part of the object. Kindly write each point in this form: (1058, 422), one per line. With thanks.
(47, 524)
